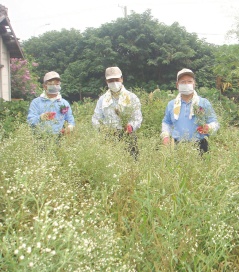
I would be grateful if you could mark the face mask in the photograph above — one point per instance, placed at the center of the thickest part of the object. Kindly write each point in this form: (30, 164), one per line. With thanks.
(185, 89)
(53, 89)
(115, 86)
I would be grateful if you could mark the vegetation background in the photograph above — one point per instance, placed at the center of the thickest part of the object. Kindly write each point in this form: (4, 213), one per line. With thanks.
(84, 204)
(148, 52)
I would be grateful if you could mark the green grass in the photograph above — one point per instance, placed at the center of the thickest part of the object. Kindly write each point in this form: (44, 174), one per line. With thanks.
(85, 205)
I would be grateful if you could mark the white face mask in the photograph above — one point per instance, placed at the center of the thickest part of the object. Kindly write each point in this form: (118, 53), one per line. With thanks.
(185, 89)
(53, 89)
(115, 86)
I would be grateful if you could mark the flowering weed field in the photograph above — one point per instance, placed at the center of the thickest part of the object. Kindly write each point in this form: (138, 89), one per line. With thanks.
(84, 204)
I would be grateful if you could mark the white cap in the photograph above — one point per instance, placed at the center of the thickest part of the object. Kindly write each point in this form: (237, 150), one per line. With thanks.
(51, 75)
(185, 71)
(113, 72)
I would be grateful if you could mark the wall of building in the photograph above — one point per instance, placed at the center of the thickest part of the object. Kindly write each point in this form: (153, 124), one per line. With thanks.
(5, 82)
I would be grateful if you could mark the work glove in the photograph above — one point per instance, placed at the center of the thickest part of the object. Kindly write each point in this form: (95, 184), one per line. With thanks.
(67, 130)
(129, 129)
(166, 140)
(203, 129)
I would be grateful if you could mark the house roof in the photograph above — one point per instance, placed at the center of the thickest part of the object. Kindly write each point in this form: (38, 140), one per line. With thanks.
(8, 35)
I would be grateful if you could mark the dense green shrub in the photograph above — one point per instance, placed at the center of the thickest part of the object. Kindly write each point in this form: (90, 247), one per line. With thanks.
(11, 115)
(227, 108)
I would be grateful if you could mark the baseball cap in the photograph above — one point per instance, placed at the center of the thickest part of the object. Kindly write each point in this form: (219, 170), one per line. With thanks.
(51, 75)
(185, 71)
(113, 72)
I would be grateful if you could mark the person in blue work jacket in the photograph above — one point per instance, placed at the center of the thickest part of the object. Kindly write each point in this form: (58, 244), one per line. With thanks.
(118, 110)
(188, 117)
(49, 112)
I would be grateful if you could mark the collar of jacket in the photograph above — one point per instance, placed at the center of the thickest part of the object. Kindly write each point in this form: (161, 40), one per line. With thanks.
(124, 98)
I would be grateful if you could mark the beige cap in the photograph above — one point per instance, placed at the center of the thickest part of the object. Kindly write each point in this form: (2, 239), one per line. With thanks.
(51, 75)
(113, 72)
(185, 71)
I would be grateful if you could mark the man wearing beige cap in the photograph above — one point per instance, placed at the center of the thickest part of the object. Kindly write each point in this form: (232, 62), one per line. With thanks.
(188, 117)
(118, 109)
(50, 111)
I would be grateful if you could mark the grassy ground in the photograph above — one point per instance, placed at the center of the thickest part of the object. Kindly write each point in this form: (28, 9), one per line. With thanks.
(84, 204)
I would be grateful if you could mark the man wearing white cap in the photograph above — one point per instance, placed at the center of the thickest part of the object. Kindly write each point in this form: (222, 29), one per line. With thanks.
(118, 109)
(50, 111)
(188, 117)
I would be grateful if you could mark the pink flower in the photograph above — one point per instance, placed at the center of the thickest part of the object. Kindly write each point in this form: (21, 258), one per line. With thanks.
(200, 115)
(64, 109)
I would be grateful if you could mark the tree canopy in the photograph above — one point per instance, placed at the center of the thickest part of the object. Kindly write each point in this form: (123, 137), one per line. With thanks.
(149, 54)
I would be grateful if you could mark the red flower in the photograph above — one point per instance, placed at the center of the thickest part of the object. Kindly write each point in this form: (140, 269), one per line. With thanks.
(50, 115)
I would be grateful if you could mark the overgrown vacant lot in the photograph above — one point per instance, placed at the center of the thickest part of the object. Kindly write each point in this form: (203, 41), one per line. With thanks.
(83, 204)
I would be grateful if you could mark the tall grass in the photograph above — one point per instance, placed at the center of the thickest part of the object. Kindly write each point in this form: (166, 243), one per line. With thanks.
(84, 204)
